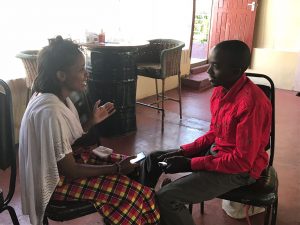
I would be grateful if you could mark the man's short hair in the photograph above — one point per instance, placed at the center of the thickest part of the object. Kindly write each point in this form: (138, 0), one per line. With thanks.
(238, 53)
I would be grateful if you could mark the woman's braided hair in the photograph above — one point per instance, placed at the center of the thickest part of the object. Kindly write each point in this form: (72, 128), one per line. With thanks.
(57, 56)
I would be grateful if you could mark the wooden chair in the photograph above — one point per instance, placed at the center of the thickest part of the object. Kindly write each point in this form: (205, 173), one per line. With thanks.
(264, 192)
(7, 149)
(160, 60)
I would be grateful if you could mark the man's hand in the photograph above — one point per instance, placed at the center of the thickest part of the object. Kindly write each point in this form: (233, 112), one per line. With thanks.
(178, 164)
(177, 152)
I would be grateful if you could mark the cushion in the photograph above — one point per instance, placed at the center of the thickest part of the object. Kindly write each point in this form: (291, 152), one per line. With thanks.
(152, 70)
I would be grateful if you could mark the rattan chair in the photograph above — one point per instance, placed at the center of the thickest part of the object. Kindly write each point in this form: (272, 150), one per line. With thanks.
(29, 59)
(160, 60)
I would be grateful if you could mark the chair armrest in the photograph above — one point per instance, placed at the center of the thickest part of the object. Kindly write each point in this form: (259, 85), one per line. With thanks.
(170, 60)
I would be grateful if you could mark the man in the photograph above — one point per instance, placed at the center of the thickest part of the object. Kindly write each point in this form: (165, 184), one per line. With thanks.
(231, 154)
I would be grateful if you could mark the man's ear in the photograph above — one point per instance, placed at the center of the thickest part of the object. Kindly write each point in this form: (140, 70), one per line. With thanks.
(61, 76)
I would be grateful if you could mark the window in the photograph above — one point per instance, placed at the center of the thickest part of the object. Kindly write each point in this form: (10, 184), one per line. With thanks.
(27, 25)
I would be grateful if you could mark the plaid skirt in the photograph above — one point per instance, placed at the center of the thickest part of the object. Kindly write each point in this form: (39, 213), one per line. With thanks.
(118, 198)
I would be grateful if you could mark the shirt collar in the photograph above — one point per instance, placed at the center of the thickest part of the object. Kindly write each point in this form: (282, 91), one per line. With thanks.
(237, 86)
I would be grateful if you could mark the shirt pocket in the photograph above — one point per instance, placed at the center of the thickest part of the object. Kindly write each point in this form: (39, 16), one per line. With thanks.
(229, 127)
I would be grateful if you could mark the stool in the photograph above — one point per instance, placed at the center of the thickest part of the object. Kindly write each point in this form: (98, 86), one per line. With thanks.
(160, 60)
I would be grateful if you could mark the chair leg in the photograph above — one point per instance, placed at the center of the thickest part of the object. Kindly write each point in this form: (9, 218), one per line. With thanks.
(267, 215)
(202, 208)
(274, 213)
(45, 221)
(191, 208)
(157, 96)
(163, 104)
(179, 96)
(13, 215)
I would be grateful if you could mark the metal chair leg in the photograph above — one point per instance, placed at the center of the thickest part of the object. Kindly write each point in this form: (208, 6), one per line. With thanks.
(163, 104)
(13, 215)
(202, 208)
(179, 96)
(267, 215)
(191, 208)
(157, 96)
(45, 221)
(274, 213)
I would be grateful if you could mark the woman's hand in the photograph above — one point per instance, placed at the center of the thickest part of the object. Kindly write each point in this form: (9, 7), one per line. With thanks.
(100, 113)
(126, 166)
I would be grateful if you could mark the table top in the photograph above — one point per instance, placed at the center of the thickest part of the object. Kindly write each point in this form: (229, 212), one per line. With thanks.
(115, 45)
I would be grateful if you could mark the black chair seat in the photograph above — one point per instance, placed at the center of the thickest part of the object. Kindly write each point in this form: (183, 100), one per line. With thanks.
(152, 70)
(67, 210)
(261, 193)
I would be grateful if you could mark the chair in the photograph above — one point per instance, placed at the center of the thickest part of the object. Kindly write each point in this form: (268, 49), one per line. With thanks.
(160, 60)
(29, 59)
(264, 192)
(68, 210)
(7, 148)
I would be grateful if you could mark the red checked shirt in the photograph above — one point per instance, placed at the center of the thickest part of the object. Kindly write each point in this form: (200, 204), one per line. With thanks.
(240, 128)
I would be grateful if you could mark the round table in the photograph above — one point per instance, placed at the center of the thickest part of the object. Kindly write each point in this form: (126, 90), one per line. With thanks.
(112, 78)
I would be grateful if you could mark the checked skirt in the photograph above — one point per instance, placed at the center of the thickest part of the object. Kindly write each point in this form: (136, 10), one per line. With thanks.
(118, 198)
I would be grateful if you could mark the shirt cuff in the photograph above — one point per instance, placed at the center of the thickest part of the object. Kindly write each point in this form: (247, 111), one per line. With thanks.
(188, 149)
(198, 163)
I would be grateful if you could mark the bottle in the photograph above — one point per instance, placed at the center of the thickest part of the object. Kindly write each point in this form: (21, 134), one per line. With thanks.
(101, 36)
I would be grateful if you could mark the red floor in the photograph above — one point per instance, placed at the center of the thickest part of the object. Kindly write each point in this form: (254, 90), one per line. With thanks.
(194, 123)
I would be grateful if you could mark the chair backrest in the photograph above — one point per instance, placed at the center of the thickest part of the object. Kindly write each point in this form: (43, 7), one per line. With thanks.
(7, 140)
(266, 84)
(29, 59)
(166, 52)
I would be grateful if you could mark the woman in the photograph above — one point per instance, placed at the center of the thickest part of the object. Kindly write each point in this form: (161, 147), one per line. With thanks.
(50, 125)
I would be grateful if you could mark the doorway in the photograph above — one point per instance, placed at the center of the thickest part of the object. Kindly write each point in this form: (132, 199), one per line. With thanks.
(201, 29)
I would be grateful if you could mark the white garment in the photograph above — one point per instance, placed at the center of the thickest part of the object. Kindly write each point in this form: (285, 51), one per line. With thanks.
(48, 129)
(237, 210)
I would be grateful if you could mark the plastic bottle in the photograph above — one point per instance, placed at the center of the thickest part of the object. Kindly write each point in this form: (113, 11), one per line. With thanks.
(101, 37)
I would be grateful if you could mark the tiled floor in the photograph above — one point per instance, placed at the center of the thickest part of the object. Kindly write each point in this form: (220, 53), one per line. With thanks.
(194, 123)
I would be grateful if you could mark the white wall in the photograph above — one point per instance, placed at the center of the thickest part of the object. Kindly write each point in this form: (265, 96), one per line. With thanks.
(276, 42)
